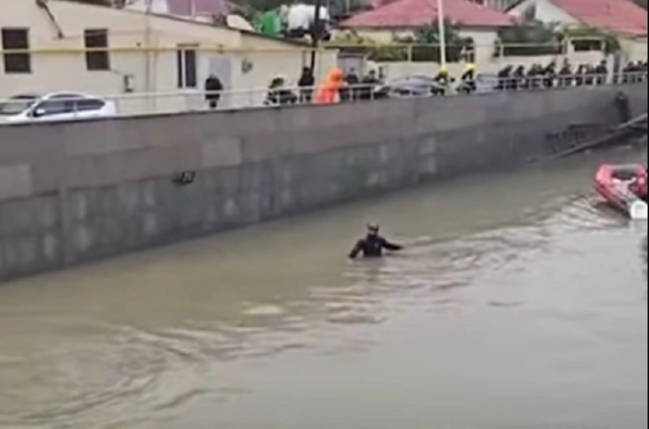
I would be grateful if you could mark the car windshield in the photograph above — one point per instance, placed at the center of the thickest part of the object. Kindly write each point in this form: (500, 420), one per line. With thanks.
(17, 105)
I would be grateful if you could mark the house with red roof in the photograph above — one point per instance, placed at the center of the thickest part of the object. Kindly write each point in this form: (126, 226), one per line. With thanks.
(403, 17)
(624, 18)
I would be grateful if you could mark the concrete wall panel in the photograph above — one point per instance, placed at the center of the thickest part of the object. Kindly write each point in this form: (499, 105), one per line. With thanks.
(75, 192)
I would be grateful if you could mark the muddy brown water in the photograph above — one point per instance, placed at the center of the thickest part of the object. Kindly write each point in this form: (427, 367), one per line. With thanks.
(519, 302)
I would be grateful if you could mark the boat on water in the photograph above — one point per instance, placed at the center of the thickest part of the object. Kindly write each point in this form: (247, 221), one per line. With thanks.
(624, 187)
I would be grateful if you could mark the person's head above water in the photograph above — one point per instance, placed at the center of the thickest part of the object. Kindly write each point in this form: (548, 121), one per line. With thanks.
(373, 229)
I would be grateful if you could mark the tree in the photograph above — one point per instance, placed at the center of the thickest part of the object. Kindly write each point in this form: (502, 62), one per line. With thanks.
(428, 41)
(422, 46)
(352, 43)
(529, 39)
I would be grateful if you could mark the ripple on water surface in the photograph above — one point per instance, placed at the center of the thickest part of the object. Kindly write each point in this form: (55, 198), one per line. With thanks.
(541, 301)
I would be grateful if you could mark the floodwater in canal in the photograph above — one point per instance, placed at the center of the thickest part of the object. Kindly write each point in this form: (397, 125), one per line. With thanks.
(518, 303)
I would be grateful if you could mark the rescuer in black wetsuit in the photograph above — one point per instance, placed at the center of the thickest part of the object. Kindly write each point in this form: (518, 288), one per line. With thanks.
(373, 244)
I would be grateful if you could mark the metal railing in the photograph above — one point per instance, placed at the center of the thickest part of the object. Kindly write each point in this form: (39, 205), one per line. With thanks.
(135, 104)
(300, 46)
(458, 51)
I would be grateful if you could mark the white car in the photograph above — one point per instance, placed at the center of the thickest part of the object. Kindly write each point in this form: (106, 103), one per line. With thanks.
(60, 106)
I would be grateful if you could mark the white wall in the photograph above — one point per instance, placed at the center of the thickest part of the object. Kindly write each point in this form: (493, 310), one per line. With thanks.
(546, 12)
(636, 48)
(157, 6)
(58, 65)
(485, 42)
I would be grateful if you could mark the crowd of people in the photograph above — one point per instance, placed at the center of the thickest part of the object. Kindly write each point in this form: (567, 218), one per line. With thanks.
(539, 76)
(338, 86)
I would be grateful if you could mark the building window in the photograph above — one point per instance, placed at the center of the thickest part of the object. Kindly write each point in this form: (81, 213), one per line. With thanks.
(16, 39)
(97, 60)
(186, 66)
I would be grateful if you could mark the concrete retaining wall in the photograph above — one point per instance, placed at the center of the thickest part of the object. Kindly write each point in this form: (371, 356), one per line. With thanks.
(75, 192)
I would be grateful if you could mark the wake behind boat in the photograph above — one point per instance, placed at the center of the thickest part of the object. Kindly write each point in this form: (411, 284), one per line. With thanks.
(624, 187)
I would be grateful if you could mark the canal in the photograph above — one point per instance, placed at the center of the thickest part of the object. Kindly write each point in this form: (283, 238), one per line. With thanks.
(519, 302)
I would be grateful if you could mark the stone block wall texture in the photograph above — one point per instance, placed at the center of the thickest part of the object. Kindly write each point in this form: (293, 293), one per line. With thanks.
(77, 192)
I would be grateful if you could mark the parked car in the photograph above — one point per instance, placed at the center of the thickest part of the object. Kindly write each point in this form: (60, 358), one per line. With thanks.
(486, 83)
(408, 86)
(58, 106)
(425, 86)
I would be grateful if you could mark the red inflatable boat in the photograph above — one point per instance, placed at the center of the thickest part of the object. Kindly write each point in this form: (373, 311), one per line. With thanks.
(624, 187)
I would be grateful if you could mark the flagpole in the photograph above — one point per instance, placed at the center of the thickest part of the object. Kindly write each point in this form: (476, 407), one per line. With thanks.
(442, 32)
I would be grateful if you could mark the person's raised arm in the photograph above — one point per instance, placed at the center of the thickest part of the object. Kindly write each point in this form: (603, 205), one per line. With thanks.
(356, 250)
(391, 246)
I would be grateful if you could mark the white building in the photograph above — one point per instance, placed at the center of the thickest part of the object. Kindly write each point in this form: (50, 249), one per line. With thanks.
(623, 18)
(144, 53)
(403, 17)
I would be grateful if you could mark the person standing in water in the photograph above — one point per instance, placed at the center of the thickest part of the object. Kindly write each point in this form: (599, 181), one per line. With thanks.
(373, 245)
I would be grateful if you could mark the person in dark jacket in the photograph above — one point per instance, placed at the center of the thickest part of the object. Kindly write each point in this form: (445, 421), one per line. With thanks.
(368, 85)
(565, 74)
(549, 75)
(591, 74)
(503, 77)
(373, 245)
(535, 76)
(519, 78)
(443, 79)
(602, 73)
(213, 88)
(278, 95)
(306, 84)
(468, 80)
(580, 75)
(353, 81)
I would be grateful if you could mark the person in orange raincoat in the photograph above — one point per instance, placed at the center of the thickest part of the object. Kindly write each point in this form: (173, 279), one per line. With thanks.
(327, 91)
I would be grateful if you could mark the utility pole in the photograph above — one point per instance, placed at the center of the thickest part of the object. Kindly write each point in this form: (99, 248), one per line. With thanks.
(147, 52)
(315, 35)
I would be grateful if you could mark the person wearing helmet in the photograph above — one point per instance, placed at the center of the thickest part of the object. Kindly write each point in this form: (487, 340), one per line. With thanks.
(373, 245)
(468, 84)
(469, 72)
(443, 80)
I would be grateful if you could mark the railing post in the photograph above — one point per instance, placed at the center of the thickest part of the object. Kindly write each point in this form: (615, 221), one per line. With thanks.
(251, 97)
(409, 56)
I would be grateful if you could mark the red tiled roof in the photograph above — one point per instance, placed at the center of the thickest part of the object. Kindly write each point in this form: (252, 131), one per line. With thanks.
(418, 13)
(200, 7)
(619, 16)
